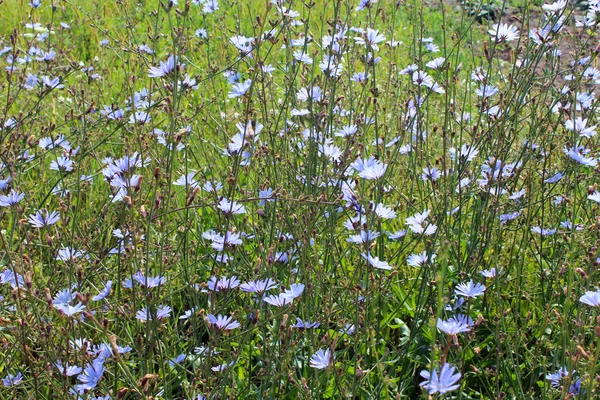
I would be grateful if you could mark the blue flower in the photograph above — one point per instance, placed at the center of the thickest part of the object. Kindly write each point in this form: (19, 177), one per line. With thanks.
(305, 324)
(177, 360)
(161, 312)
(279, 300)
(258, 286)
(455, 325)
(239, 89)
(38, 220)
(222, 284)
(164, 69)
(294, 291)
(12, 199)
(67, 370)
(556, 378)
(70, 310)
(222, 322)
(91, 375)
(442, 382)
(470, 289)
(104, 292)
(52, 83)
(12, 380)
(148, 281)
(15, 280)
(321, 359)
(63, 164)
(591, 299)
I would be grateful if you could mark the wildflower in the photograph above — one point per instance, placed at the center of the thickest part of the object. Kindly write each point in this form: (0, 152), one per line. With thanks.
(591, 299)
(384, 212)
(67, 370)
(486, 91)
(490, 273)
(12, 380)
(244, 45)
(418, 224)
(177, 360)
(417, 260)
(212, 187)
(370, 39)
(187, 180)
(210, 6)
(139, 118)
(239, 89)
(397, 235)
(52, 83)
(594, 196)
(362, 4)
(466, 153)
(63, 164)
(374, 172)
(15, 280)
(375, 262)
(258, 286)
(504, 33)
(222, 322)
(555, 178)
(91, 375)
(518, 195)
(360, 77)
(321, 359)
(112, 114)
(279, 300)
(422, 78)
(4, 183)
(164, 69)
(161, 313)
(557, 376)
(442, 382)
(301, 56)
(39, 220)
(556, 6)
(430, 174)
(266, 195)
(330, 66)
(436, 63)
(148, 281)
(295, 290)
(470, 289)
(104, 292)
(70, 310)
(542, 231)
(363, 237)
(231, 207)
(222, 367)
(579, 126)
(455, 325)
(504, 218)
(432, 47)
(201, 33)
(12, 199)
(313, 94)
(300, 324)
(222, 284)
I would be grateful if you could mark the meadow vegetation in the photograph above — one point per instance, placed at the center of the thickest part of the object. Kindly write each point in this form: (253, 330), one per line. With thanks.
(220, 199)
